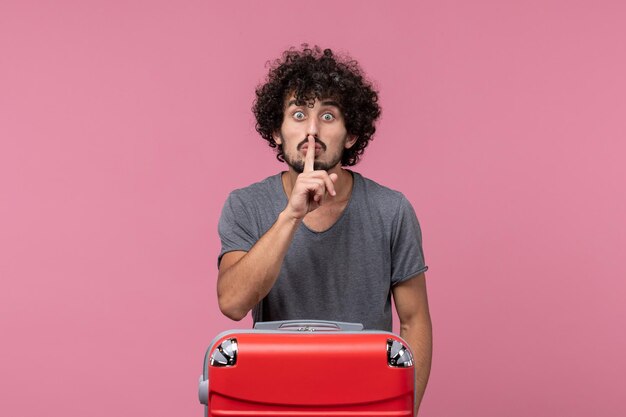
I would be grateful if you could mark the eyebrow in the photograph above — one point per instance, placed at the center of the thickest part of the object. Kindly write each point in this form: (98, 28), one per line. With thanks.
(323, 103)
(330, 103)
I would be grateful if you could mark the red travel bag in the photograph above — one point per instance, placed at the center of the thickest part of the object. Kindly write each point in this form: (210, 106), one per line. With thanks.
(308, 368)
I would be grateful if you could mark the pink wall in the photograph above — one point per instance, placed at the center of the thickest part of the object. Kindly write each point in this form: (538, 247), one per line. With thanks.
(124, 125)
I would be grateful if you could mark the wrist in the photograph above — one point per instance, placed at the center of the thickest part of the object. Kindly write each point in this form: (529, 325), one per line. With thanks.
(288, 217)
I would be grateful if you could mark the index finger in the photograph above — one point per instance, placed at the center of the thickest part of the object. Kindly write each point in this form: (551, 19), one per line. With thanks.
(309, 159)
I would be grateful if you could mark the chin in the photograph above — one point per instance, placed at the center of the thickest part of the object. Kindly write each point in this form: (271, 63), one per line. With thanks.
(322, 167)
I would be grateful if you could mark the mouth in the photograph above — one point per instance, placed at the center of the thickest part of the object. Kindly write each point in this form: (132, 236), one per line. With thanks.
(304, 146)
(318, 149)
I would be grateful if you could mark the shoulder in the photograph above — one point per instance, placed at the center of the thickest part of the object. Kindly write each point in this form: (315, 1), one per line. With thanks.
(259, 202)
(258, 191)
(379, 195)
(386, 203)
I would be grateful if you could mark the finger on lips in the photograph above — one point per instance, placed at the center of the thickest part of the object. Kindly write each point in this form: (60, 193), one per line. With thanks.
(327, 182)
(310, 155)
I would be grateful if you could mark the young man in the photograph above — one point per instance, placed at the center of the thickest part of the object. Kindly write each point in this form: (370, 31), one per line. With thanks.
(319, 241)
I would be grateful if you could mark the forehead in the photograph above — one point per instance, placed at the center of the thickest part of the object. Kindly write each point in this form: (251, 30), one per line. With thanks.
(291, 101)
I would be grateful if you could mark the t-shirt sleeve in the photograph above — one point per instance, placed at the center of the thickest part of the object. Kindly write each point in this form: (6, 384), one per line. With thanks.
(236, 227)
(407, 255)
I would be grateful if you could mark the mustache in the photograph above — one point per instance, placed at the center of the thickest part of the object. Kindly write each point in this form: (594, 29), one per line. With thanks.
(317, 141)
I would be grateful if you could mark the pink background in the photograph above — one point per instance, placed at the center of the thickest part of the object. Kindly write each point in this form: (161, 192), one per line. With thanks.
(124, 125)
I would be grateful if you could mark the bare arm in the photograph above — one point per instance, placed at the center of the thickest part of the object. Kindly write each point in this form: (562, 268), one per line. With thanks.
(246, 277)
(415, 327)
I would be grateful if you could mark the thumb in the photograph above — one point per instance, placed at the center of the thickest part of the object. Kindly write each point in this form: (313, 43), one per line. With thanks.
(333, 177)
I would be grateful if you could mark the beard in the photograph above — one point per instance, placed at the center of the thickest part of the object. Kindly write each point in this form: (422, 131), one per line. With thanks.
(297, 162)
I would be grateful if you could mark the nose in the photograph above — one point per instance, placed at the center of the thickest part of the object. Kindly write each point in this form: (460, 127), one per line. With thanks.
(312, 128)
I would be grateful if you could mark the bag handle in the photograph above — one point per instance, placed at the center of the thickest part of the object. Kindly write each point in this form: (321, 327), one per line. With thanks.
(308, 326)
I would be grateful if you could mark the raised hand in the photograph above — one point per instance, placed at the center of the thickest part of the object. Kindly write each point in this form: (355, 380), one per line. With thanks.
(311, 187)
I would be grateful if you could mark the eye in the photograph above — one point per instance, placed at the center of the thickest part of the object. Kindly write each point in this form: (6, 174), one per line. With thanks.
(327, 117)
(298, 115)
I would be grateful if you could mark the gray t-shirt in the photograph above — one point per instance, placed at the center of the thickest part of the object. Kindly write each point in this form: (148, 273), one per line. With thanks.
(344, 273)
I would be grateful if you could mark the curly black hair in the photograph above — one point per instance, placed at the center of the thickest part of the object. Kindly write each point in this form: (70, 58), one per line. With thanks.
(313, 73)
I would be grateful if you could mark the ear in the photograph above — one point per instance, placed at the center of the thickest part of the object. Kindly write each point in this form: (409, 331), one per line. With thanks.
(277, 137)
(351, 141)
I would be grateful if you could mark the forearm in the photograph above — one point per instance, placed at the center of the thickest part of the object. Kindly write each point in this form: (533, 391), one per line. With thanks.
(418, 334)
(245, 283)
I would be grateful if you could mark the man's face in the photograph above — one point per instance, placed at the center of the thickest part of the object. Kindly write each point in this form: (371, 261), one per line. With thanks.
(325, 122)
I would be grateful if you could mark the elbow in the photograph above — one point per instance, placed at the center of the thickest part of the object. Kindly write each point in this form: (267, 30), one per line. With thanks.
(234, 315)
(231, 300)
(230, 309)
